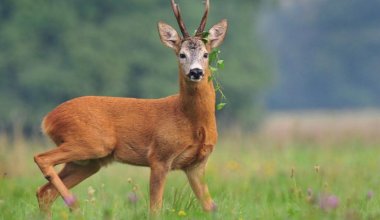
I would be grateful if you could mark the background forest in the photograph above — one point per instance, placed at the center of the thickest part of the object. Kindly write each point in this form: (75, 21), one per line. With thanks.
(279, 55)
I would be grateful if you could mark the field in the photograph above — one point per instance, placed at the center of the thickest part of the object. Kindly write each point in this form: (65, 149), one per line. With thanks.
(293, 168)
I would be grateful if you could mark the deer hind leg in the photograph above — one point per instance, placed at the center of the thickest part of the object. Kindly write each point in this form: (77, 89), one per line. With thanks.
(63, 154)
(47, 193)
(195, 176)
(71, 175)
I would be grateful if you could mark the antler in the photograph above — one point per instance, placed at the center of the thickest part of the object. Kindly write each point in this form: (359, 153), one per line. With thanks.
(177, 15)
(204, 19)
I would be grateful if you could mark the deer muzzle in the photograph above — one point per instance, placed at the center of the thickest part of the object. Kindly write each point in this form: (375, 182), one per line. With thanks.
(196, 74)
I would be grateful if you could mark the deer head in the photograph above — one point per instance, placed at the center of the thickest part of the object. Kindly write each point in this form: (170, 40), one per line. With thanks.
(191, 51)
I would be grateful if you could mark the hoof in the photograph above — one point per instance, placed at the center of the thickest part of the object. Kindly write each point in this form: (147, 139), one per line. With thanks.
(214, 207)
(211, 207)
(70, 201)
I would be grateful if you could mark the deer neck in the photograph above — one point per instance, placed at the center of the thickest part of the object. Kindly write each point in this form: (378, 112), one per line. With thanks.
(197, 100)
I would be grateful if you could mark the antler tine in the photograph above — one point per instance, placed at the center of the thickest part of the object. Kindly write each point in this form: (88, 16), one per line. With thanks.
(177, 14)
(204, 18)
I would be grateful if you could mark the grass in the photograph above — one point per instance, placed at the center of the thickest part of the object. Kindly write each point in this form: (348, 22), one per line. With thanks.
(249, 178)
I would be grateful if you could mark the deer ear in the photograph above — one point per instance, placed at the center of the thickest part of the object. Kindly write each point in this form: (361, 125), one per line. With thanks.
(217, 33)
(168, 35)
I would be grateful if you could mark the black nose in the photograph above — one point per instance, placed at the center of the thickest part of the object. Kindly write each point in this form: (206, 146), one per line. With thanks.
(195, 73)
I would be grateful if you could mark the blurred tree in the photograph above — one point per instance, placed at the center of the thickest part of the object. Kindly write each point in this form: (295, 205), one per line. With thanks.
(327, 53)
(52, 51)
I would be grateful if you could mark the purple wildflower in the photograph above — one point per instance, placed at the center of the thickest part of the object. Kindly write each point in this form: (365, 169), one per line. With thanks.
(370, 194)
(133, 198)
(328, 202)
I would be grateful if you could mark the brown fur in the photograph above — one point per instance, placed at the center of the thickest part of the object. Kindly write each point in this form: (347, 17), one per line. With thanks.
(176, 132)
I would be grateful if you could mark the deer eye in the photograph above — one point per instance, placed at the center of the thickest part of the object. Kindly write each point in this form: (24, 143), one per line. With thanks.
(205, 55)
(182, 56)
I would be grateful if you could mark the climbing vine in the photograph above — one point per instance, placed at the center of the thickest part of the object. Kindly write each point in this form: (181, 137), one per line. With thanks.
(216, 64)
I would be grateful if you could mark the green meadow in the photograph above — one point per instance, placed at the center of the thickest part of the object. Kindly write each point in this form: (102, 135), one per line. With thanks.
(249, 178)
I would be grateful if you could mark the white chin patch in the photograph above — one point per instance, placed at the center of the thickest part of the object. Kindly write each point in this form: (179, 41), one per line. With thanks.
(193, 79)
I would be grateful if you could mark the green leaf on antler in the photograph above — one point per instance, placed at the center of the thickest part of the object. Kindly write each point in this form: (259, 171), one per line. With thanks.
(205, 37)
(209, 78)
(216, 64)
(213, 69)
(213, 56)
(220, 106)
(220, 64)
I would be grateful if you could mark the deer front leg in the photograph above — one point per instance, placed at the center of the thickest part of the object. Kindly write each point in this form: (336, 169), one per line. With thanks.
(158, 175)
(200, 189)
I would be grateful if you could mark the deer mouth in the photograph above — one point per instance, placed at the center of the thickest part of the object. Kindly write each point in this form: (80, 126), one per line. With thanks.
(195, 78)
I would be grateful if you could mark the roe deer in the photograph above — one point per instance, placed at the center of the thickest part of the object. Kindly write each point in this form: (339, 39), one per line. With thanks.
(176, 132)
